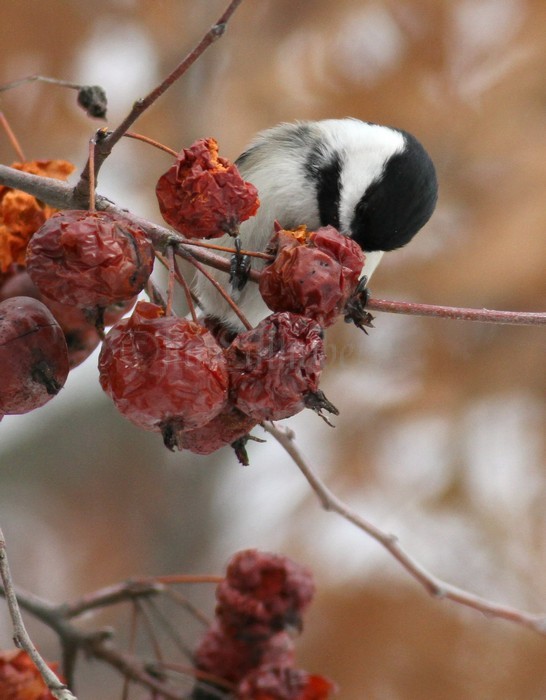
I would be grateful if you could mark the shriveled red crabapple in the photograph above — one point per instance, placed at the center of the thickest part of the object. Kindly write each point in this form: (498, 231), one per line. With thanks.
(89, 259)
(314, 273)
(163, 373)
(33, 355)
(275, 368)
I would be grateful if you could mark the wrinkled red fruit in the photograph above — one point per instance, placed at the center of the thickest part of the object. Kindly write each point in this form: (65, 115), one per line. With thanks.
(164, 373)
(284, 683)
(89, 259)
(262, 594)
(20, 679)
(232, 658)
(33, 355)
(79, 329)
(229, 426)
(276, 366)
(203, 195)
(313, 274)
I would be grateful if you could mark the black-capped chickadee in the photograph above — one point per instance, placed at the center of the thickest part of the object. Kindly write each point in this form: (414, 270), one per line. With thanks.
(374, 183)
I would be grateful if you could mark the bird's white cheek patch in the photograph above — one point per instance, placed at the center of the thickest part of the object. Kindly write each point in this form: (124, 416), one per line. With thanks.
(372, 261)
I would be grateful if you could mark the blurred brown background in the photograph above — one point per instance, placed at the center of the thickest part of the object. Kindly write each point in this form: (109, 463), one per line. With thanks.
(441, 433)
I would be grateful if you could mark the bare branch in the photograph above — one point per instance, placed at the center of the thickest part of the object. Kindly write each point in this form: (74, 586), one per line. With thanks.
(20, 634)
(520, 318)
(105, 147)
(61, 195)
(432, 584)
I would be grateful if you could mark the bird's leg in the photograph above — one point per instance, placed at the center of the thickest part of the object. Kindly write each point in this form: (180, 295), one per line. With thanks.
(355, 311)
(239, 268)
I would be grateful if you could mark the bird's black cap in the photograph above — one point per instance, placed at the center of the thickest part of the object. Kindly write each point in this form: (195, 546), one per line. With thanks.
(400, 202)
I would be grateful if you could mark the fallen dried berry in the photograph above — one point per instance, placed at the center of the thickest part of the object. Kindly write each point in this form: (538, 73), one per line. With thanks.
(33, 355)
(313, 273)
(202, 195)
(89, 259)
(275, 368)
(163, 373)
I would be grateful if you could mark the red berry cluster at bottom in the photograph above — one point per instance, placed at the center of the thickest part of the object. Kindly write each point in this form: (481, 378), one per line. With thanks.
(248, 648)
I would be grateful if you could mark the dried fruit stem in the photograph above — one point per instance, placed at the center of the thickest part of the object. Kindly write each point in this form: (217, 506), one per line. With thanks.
(92, 147)
(180, 279)
(516, 318)
(226, 249)
(187, 291)
(97, 644)
(151, 142)
(170, 283)
(12, 138)
(433, 585)
(221, 291)
(41, 79)
(154, 295)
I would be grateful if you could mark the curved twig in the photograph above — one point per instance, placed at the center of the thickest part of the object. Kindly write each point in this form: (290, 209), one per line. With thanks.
(435, 586)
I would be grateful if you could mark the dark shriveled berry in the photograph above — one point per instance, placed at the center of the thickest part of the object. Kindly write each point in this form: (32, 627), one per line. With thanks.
(163, 373)
(203, 195)
(229, 427)
(313, 274)
(262, 594)
(33, 355)
(78, 325)
(275, 368)
(89, 259)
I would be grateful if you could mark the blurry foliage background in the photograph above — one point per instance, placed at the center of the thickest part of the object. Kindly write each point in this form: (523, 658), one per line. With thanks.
(441, 433)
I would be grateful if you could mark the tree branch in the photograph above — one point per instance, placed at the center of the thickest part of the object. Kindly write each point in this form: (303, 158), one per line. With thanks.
(105, 146)
(432, 584)
(20, 634)
(61, 195)
(98, 643)
(519, 318)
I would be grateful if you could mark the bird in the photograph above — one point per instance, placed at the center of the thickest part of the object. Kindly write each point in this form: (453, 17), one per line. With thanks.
(374, 183)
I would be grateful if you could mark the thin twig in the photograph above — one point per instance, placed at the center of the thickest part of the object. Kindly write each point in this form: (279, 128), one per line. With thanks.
(135, 611)
(129, 590)
(519, 318)
(20, 634)
(226, 249)
(149, 628)
(187, 291)
(92, 147)
(41, 79)
(97, 644)
(240, 315)
(150, 142)
(432, 584)
(170, 280)
(140, 106)
(12, 138)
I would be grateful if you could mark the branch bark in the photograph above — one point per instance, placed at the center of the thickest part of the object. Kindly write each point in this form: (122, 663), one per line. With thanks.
(63, 196)
(433, 585)
(106, 144)
(20, 634)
